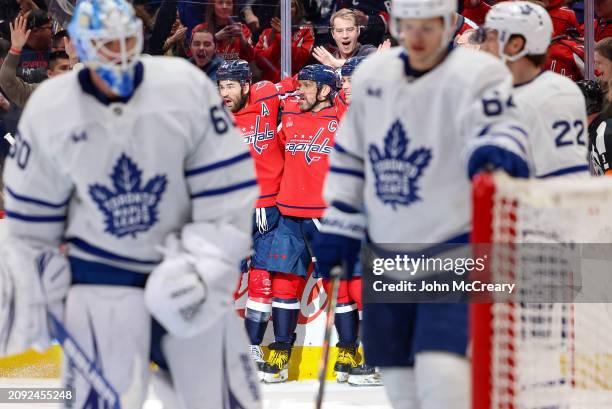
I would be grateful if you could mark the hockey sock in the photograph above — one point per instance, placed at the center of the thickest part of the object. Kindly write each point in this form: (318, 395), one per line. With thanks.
(256, 319)
(284, 318)
(347, 323)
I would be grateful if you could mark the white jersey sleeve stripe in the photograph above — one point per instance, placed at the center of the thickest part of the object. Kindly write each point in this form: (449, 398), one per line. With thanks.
(224, 190)
(35, 201)
(566, 171)
(218, 165)
(35, 219)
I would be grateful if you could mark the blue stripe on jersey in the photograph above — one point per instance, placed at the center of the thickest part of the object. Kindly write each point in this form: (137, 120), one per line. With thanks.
(566, 171)
(266, 98)
(218, 165)
(301, 207)
(341, 149)
(28, 199)
(97, 251)
(270, 195)
(519, 129)
(35, 219)
(91, 272)
(224, 190)
(498, 134)
(345, 171)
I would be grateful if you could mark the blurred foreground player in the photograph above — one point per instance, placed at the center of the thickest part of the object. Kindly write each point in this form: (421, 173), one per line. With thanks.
(256, 110)
(519, 32)
(309, 124)
(424, 118)
(147, 183)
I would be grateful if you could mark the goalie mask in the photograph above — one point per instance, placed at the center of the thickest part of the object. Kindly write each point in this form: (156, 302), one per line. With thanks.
(108, 38)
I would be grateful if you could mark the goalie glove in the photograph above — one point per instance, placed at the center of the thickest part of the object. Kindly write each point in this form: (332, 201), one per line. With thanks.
(339, 239)
(32, 281)
(193, 287)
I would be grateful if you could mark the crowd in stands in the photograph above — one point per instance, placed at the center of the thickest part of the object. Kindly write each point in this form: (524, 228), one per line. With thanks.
(34, 44)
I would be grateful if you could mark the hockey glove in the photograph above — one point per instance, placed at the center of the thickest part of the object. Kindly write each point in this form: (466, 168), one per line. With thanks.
(32, 281)
(339, 240)
(491, 157)
(192, 288)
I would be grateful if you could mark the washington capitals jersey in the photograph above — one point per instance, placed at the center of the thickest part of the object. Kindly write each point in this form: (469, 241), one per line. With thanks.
(340, 104)
(257, 124)
(555, 114)
(402, 148)
(308, 138)
(114, 179)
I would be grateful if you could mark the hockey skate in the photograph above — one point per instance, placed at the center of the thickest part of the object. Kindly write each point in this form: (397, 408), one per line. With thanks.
(276, 368)
(364, 375)
(347, 359)
(257, 356)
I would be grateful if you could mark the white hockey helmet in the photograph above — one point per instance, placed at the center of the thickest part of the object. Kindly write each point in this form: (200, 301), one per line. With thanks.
(94, 24)
(424, 9)
(521, 18)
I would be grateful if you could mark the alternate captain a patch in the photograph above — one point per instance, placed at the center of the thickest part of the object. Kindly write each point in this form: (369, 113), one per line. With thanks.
(396, 169)
(128, 208)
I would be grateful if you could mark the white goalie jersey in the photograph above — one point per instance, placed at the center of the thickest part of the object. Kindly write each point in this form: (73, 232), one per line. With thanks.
(113, 180)
(554, 112)
(402, 148)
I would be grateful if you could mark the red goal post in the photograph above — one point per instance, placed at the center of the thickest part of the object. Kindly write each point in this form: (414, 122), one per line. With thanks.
(546, 354)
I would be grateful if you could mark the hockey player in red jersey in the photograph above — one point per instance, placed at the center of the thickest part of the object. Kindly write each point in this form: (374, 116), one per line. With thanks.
(309, 124)
(343, 98)
(256, 110)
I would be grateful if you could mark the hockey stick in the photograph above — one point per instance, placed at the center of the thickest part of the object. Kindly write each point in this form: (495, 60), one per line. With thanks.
(87, 368)
(335, 275)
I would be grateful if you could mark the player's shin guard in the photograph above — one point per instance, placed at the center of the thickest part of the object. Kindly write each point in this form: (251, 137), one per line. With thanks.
(257, 315)
(284, 317)
(347, 325)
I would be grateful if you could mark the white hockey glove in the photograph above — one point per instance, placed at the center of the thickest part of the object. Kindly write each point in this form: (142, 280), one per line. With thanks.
(32, 281)
(192, 288)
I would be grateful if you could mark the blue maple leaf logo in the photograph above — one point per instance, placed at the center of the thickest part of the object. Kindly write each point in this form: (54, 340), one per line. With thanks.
(129, 208)
(397, 172)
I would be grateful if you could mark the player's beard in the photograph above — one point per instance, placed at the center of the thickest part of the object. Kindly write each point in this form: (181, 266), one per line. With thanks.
(238, 103)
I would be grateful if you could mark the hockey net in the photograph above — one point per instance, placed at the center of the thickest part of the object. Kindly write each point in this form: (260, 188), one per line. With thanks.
(540, 354)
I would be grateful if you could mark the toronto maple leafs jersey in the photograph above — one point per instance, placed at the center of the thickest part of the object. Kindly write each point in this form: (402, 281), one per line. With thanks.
(114, 179)
(555, 114)
(401, 149)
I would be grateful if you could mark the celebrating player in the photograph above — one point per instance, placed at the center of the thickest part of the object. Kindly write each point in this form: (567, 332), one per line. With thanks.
(146, 181)
(424, 117)
(255, 108)
(309, 124)
(343, 98)
(519, 33)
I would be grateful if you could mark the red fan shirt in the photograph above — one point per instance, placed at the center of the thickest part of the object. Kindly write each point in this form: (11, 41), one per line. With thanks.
(308, 138)
(257, 123)
(566, 57)
(267, 52)
(563, 18)
(476, 13)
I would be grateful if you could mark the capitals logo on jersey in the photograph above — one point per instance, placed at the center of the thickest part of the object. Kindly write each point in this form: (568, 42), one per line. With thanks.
(311, 144)
(397, 171)
(128, 208)
(255, 138)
